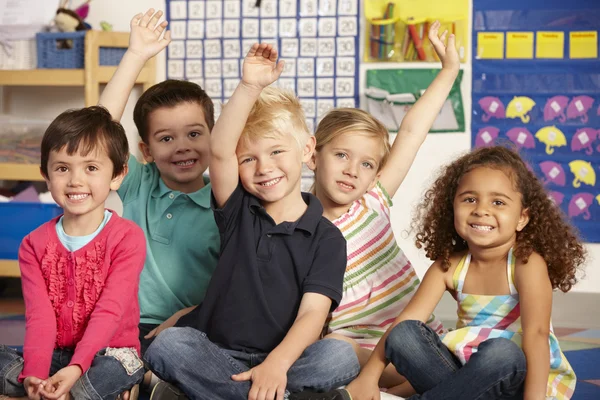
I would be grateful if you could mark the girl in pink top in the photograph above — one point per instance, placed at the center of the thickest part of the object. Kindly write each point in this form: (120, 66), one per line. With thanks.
(79, 272)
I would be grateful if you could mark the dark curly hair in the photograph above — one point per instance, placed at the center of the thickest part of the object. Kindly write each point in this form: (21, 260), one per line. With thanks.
(548, 233)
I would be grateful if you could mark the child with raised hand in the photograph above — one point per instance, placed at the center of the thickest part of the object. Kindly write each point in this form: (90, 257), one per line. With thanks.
(281, 265)
(356, 176)
(80, 272)
(500, 247)
(168, 196)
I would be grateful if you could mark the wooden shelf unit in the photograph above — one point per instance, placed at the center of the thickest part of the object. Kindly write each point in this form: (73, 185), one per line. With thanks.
(90, 78)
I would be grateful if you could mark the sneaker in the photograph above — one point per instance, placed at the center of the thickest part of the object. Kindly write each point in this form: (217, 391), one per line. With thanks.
(337, 394)
(165, 391)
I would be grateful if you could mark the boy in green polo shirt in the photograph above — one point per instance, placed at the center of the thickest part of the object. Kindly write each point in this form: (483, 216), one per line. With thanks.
(168, 196)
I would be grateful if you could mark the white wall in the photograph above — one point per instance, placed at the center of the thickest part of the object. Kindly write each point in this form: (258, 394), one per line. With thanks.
(438, 149)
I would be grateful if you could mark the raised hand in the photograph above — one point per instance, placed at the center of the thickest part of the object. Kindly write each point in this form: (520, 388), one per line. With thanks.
(261, 67)
(446, 52)
(145, 39)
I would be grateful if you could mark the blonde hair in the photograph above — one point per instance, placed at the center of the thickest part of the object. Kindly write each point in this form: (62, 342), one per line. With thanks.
(344, 120)
(277, 112)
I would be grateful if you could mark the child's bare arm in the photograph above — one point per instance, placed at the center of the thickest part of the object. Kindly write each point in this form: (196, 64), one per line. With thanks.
(145, 42)
(271, 375)
(259, 71)
(419, 308)
(535, 297)
(418, 120)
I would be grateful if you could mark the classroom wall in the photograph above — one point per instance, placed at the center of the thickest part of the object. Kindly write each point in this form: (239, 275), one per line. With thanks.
(437, 150)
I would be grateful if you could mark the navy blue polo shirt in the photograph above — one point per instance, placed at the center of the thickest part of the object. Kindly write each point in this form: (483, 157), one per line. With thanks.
(265, 269)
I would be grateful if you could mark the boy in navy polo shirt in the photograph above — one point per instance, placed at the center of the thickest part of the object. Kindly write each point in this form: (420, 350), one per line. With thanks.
(281, 266)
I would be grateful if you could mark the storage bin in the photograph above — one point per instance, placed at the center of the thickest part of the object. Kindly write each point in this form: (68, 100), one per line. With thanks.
(50, 55)
(18, 220)
(18, 54)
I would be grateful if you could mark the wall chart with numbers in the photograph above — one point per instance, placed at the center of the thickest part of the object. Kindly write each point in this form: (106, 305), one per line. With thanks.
(318, 39)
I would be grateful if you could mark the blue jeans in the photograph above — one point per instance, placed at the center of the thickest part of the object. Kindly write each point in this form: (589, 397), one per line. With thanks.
(203, 370)
(105, 379)
(496, 371)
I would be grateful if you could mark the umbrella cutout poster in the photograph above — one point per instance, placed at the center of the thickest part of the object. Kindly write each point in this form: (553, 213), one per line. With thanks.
(559, 137)
(544, 101)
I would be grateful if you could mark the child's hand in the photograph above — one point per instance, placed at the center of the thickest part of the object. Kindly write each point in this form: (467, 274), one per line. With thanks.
(261, 67)
(145, 40)
(60, 384)
(32, 386)
(447, 53)
(363, 389)
(169, 323)
(268, 381)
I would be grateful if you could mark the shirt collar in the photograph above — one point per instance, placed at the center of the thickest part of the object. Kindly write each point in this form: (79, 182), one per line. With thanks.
(201, 197)
(308, 221)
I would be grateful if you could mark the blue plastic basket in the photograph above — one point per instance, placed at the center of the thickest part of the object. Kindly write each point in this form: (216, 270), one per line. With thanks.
(18, 220)
(50, 55)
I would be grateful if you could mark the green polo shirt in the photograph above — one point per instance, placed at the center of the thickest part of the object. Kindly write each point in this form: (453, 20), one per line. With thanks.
(182, 241)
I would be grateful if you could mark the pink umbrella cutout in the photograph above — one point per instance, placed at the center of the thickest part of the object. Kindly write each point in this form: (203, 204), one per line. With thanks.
(556, 107)
(580, 204)
(579, 107)
(521, 137)
(556, 197)
(486, 136)
(583, 139)
(553, 172)
(492, 107)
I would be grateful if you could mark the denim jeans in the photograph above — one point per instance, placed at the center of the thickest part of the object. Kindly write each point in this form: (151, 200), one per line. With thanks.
(105, 379)
(203, 370)
(496, 371)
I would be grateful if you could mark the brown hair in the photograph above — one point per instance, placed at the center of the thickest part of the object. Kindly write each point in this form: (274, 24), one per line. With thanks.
(168, 94)
(85, 130)
(343, 120)
(548, 233)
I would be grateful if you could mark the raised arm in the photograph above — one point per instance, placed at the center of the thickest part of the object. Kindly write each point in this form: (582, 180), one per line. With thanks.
(417, 122)
(260, 70)
(145, 42)
(419, 308)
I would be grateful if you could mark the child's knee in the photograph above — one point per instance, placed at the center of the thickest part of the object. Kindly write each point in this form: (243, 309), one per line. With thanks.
(503, 352)
(406, 335)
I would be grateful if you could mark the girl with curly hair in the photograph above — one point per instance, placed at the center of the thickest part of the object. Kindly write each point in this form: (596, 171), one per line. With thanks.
(500, 246)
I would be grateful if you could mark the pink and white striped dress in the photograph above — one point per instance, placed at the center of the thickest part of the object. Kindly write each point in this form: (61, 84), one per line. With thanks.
(379, 280)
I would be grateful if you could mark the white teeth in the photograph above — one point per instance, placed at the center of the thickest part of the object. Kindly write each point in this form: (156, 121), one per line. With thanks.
(482, 227)
(77, 196)
(345, 186)
(271, 182)
(185, 163)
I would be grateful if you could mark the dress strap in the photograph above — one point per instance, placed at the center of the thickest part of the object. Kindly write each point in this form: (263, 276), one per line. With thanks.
(510, 271)
(461, 272)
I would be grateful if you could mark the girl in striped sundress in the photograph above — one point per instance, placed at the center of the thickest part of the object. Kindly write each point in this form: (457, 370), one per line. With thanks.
(500, 247)
(356, 175)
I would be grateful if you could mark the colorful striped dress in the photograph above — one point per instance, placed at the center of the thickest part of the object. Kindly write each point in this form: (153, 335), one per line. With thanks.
(482, 317)
(379, 280)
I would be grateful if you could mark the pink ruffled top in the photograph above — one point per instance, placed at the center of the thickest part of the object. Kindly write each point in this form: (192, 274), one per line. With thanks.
(84, 300)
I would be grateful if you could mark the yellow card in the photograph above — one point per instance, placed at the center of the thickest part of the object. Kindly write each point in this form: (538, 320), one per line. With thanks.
(519, 44)
(583, 44)
(550, 45)
(490, 45)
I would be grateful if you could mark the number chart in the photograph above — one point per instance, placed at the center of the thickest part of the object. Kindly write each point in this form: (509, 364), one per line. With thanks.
(318, 39)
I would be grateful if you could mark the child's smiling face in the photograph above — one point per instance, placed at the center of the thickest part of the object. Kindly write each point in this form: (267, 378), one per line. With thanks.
(488, 209)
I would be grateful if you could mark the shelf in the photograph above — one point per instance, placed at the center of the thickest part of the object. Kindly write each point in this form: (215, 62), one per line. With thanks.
(61, 77)
(20, 172)
(9, 269)
(42, 77)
